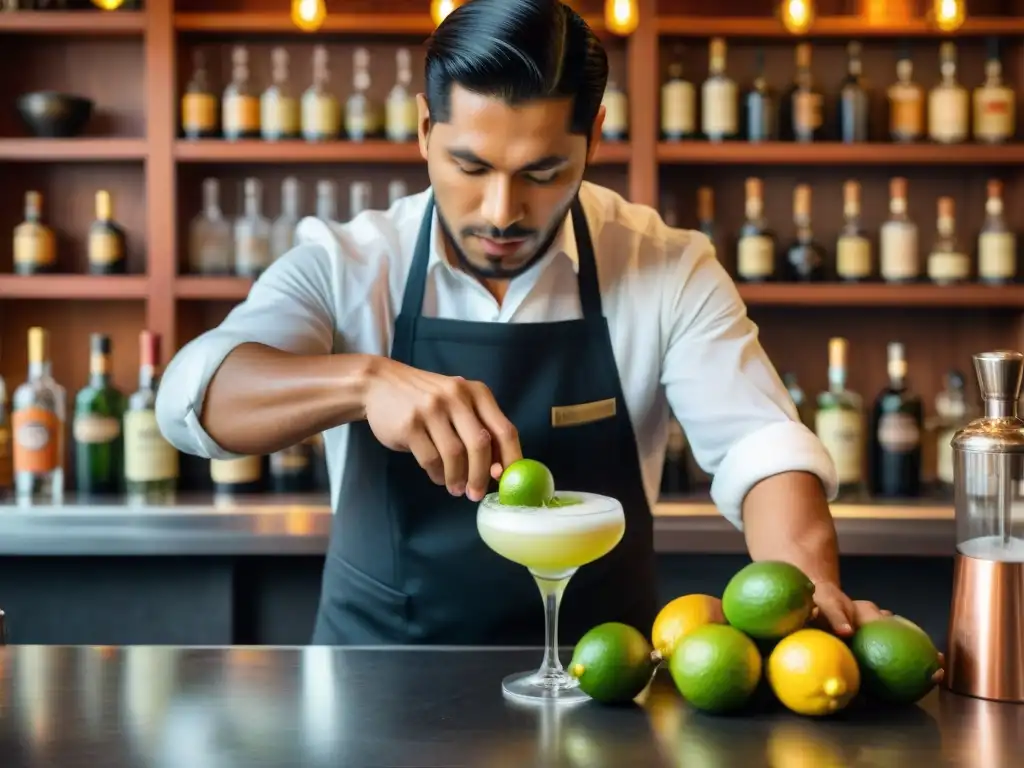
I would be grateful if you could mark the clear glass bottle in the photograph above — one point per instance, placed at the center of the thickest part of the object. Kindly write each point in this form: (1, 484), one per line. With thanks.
(762, 115)
(107, 241)
(807, 104)
(38, 423)
(397, 189)
(948, 103)
(279, 107)
(947, 263)
(678, 102)
(321, 110)
(282, 231)
(360, 198)
(210, 250)
(906, 103)
(241, 106)
(853, 248)
(839, 422)
(401, 112)
(755, 257)
(199, 119)
(897, 422)
(616, 117)
(997, 244)
(951, 413)
(995, 104)
(252, 233)
(805, 259)
(326, 200)
(150, 462)
(899, 259)
(362, 117)
(35, 247)
(853, 99)
(719, 119)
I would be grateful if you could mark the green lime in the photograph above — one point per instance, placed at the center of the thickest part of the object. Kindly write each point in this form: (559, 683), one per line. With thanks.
(526, 483)
(716, 668)
(768, 600)
(563, 501)
(897, 659)
(613, 662)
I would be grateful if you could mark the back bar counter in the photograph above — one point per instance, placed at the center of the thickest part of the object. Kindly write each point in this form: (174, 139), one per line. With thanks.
(247, 571)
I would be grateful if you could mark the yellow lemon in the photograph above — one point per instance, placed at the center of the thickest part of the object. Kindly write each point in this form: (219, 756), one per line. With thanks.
(813, 673)
(682, 616)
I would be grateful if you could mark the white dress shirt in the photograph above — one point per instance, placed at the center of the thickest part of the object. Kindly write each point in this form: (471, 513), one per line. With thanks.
(679, 331)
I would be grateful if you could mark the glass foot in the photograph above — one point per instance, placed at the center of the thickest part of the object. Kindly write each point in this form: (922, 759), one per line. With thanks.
(537, 687)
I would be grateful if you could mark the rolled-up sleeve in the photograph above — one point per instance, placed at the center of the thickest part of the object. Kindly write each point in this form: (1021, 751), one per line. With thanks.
(290, 307)
(738, 417)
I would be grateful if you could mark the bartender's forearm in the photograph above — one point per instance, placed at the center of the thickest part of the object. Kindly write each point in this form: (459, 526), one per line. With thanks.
(262, 400)
(786, 517)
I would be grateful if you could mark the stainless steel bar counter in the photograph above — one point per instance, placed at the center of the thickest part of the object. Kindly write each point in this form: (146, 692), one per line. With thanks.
(166, 707)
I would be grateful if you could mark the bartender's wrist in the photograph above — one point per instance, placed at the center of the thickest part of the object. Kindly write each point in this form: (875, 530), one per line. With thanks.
(354, 379)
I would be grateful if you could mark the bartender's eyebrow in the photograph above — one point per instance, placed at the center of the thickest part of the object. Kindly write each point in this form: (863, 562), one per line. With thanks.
(550, 162)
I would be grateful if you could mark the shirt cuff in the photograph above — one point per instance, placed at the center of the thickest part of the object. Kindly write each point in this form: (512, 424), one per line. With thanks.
(787, 446)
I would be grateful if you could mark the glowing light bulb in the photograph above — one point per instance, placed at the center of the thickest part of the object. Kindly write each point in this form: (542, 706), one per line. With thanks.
(108, 5)
(949, 14)
(439, 9)
(621, 17)
(797, 15)
(309, 15)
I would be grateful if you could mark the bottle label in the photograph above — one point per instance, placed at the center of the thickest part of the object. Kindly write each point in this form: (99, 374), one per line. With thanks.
(993, 114)
(289, 461)
(906, 113)
(148, 457)
(104, 248)
(719, 108)
(199, 112)
(677, 108)
(241, 114)
(253, 253)
(402, 118)
(362, 121)
(38, 443)
(946, 267)
(321, 115)
(842, 433)
(235, 471)
(616, 118)
(755, 257)
(853, 257)
(899, 252)
(93, 430)
(997, 255)
(34, 246)
(898, 433)
(6, 470)
(806, 111)
(944, 456)
(947, 115)
(279, 117)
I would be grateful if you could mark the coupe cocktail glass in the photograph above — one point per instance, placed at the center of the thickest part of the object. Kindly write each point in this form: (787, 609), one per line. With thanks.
(552, 543)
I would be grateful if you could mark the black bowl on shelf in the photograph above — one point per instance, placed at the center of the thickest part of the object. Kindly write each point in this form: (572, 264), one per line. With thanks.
(52, 115)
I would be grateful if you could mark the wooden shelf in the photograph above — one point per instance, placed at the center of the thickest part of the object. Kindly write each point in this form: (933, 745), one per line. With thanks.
(79, 150)
(212, 288)
(88, 287)
(375, 151)
(96, 23)
(828, 153)
(836, 26)
(883, 295)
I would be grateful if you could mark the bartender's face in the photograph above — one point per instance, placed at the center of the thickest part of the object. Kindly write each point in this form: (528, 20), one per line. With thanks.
(503, 177)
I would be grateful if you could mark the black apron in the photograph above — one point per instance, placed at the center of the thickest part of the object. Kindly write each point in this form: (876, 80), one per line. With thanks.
(405, 563)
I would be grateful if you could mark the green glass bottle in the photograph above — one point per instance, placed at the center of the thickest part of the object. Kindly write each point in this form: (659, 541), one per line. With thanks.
(99, 442)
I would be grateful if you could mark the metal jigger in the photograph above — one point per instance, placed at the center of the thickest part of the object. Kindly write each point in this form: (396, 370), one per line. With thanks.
(985, 652)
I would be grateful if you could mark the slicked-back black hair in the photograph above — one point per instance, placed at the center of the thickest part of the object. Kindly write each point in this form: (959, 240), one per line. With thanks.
(517, 51)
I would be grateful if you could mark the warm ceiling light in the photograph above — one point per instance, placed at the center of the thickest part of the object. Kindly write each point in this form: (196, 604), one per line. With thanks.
(621, 17)
(439, 9)
(949, 14)
(797, 15)
(108, 5)
(309, 15)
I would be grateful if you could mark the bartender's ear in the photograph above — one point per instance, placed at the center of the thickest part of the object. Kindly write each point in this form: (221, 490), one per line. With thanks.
(595, 134)
(424, 122)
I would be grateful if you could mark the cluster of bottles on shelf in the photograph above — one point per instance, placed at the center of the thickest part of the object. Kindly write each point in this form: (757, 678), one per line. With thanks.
(759, 258)
(800, 114)
(68, 5)
(35, 245)
(118, 449)
(280, 113)
(252, 242)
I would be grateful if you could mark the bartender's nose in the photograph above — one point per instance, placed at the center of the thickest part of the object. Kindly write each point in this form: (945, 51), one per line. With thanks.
(502, 208)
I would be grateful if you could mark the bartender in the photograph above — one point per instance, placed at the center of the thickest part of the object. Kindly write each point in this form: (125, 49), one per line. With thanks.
(510, 310)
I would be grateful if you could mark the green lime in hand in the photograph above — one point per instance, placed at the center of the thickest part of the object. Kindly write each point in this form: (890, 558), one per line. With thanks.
(526, 483)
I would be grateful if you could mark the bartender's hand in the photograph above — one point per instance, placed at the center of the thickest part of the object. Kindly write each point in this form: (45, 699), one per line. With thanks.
(452, 426)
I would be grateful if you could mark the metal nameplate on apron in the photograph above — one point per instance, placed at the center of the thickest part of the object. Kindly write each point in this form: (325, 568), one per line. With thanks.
(584, 413)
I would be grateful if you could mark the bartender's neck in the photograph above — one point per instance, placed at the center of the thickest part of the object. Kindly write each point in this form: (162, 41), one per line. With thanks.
(497, 287)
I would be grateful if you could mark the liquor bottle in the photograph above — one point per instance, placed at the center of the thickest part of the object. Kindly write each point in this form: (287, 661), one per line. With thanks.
(291, 469)
(252, 234)
(755, 251)
(994, 103)
(805, 259)
(279, 107)
(807, 104)
(397, 189)
(326, 200)
(796, 393)
(839, 422)
(37, 421)
(401, 114)
(947, 263)
(210, 248)
(899, 261)
(321, 110)
(199, 103)
(150, 462)
(906, 103)
(35, 249)
(668, 207)
(853, 249)
(719, 120)
(107, 250)
(6, 467)
(896, 424)
(96, 427)
(241, 106)
(997, 245)
(362, 118)
(762, 123)
(678, 102)
(853, 100)
(948, 102)
(952, 413)
(675, 475)
(706, 212)
(360, 197)
(282, 231)
(233, 477)
(616, 113)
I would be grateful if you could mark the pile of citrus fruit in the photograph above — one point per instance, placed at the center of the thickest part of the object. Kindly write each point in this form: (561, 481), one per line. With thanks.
(719, 651)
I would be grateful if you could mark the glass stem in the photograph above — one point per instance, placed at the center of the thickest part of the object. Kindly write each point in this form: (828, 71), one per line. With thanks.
(551, 590)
